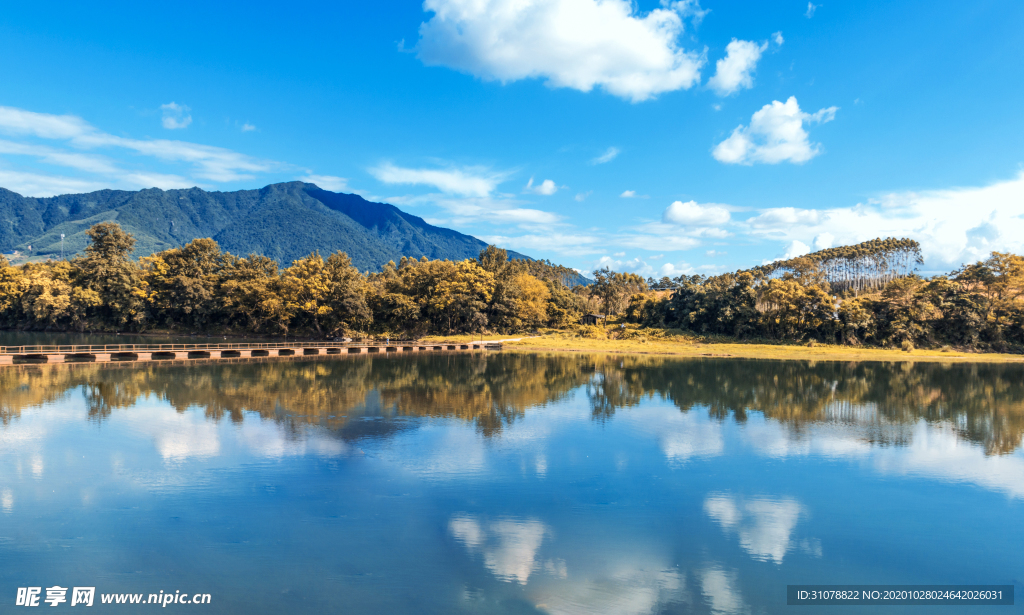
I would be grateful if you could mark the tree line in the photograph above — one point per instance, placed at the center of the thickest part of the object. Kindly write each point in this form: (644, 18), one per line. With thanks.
(200, 288)
(868, 294)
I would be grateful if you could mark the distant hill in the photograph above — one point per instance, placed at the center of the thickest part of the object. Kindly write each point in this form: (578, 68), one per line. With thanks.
(283, 221)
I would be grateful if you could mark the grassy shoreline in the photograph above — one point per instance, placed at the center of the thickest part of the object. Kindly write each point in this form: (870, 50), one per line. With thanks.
(740, 350)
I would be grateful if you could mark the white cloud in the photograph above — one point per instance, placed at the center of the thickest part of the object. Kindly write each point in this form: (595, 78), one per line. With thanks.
(33, 184)
(692, 213)
(494, 211)
(562, 243)
(672, 236)
(641, 267)
(545, 188)
(735, 71)
(658, 241)
(578, 44)
(780, 217)
(42, 125)
(470, 195)
(811, 7)
(824, 241)
(796, 248)
(775, 134)
(208, 162)
(633, 265)
(247, 127)
(213, 163)
(582, 196)
(673, 270)
(471, 181)
(628, 194)
(73, 160)
(175, 116)
(777, 37)
(608, 156)
(327, 182)
(954, 226)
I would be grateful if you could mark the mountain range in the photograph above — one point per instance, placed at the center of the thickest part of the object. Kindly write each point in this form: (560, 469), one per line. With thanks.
(284, 221)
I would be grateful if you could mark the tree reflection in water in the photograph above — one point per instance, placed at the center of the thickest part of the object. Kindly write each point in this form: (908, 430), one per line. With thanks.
(984, 403)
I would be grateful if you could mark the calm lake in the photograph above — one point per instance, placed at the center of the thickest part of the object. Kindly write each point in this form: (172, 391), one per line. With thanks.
(509, 482)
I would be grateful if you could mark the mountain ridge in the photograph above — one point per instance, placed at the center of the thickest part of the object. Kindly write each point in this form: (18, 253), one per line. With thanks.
(283, 221)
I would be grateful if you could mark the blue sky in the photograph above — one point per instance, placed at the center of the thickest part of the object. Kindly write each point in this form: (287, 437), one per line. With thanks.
(657, 137)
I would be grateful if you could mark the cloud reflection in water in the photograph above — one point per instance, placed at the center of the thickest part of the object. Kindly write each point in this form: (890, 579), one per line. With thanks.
(764, 526)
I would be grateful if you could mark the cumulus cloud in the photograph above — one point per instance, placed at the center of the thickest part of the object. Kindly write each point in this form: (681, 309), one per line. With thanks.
(824, 241)
(811, 7)
(247, 127)
(692, 213)
(607, 156)
(628, 194)
(775, 134)
(796, 248)
(954, 226)
(640, 266)
(735, 71)
(578, 44)
(472, 181)
(545, 188)
(777, 37)
(175, 116)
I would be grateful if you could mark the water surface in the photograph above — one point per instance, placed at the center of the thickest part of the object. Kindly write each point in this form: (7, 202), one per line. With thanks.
(509, 483)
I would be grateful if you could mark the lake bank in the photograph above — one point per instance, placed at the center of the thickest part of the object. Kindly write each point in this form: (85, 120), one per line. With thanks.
(739, 350)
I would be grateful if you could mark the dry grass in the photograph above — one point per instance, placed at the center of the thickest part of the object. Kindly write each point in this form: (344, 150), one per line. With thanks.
(655, 342)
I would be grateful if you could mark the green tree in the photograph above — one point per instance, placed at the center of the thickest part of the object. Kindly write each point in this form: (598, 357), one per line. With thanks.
(183, 282)
(51, 300)
(108, 270)
(249, 291)
(613, 289)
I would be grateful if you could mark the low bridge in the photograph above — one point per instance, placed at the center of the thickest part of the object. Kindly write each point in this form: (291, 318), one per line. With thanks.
(14, 355)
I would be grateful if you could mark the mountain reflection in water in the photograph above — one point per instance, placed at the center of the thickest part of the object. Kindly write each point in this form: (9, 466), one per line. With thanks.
(883, 402)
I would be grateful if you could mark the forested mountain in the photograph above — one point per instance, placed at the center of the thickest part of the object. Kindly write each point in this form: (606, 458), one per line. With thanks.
(282, 221)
